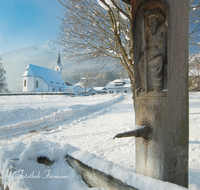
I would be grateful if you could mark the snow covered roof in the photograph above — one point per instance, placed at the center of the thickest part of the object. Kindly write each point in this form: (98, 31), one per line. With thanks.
(68, 84)
(72, 87)
(99, 89)
(119, 83)
(91, 90)
(51, 77)
(88, 90)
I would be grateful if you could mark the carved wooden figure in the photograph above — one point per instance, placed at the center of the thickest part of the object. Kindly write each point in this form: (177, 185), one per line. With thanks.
(151, 68)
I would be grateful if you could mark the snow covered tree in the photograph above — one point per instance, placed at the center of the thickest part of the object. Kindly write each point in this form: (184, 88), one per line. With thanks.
(3, 84)
(100, 30)
(194, 72)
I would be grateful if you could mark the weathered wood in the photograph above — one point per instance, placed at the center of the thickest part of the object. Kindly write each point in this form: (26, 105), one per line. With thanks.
(95, 178)
(165, 105)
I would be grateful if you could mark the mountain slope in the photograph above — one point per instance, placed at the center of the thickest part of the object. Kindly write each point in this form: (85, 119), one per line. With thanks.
(16, 61)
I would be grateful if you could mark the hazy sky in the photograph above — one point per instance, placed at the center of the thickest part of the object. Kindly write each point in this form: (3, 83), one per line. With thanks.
(31, 22)
(28, 22)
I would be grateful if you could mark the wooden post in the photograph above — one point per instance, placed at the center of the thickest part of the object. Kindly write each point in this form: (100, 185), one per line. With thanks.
(165, 106)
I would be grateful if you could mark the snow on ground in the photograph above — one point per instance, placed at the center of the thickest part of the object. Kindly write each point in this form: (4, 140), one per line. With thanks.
(81, 126)
(194, 141)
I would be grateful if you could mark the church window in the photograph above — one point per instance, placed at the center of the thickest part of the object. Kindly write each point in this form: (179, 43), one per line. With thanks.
(63, 84)
(51, 81)
(57, 82)
(53, 89)
(36, 85)
(24, 82)
(59, 89)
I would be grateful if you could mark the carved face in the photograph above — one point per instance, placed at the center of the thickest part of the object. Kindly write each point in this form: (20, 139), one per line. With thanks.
(153, 22)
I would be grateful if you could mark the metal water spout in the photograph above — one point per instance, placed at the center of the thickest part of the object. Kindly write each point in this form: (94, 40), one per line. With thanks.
(143, 131)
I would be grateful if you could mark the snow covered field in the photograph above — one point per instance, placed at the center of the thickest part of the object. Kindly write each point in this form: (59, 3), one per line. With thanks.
(84, 127)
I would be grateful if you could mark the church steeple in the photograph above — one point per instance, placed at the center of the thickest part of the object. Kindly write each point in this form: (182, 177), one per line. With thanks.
(59, 66)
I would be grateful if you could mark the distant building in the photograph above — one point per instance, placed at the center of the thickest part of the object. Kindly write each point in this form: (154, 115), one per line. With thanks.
(89, 91)
(75, 89)
(40, 79)
(68, 84)
(100, 90)
(118, 86)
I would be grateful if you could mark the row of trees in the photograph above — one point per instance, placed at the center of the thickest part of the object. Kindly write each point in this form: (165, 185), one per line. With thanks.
(102, 30)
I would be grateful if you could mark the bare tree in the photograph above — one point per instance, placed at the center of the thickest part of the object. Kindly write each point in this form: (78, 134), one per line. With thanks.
(98, 30)
(87, 77)
(194, 22)
(3, 84)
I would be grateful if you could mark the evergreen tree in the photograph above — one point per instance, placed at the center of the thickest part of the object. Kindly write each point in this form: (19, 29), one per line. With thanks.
(3, 84)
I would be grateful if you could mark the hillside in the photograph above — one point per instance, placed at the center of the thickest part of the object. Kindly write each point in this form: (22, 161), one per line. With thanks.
(16, 61)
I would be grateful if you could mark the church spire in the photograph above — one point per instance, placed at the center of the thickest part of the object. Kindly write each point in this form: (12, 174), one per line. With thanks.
(59, 66)
(59, 62)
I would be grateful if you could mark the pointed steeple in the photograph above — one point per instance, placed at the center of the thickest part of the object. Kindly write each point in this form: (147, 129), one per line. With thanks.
(59, 66)
(59, 62)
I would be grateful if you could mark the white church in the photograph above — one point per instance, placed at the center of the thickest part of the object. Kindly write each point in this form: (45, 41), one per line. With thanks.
(41, 79)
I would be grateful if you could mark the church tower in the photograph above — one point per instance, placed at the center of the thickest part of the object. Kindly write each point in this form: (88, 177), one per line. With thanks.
(59, 66)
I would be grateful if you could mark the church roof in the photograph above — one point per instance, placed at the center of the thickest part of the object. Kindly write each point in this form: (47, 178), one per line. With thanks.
(51, 77)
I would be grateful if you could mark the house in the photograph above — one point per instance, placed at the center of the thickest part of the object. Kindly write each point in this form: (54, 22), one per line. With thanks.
(75, 89)
(41, 79)
(89, 91)
(119, 86)
(68, 84)
(100, 90)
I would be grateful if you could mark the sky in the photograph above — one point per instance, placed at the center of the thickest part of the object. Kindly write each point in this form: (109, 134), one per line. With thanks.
(25, 23)
(28, 22)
